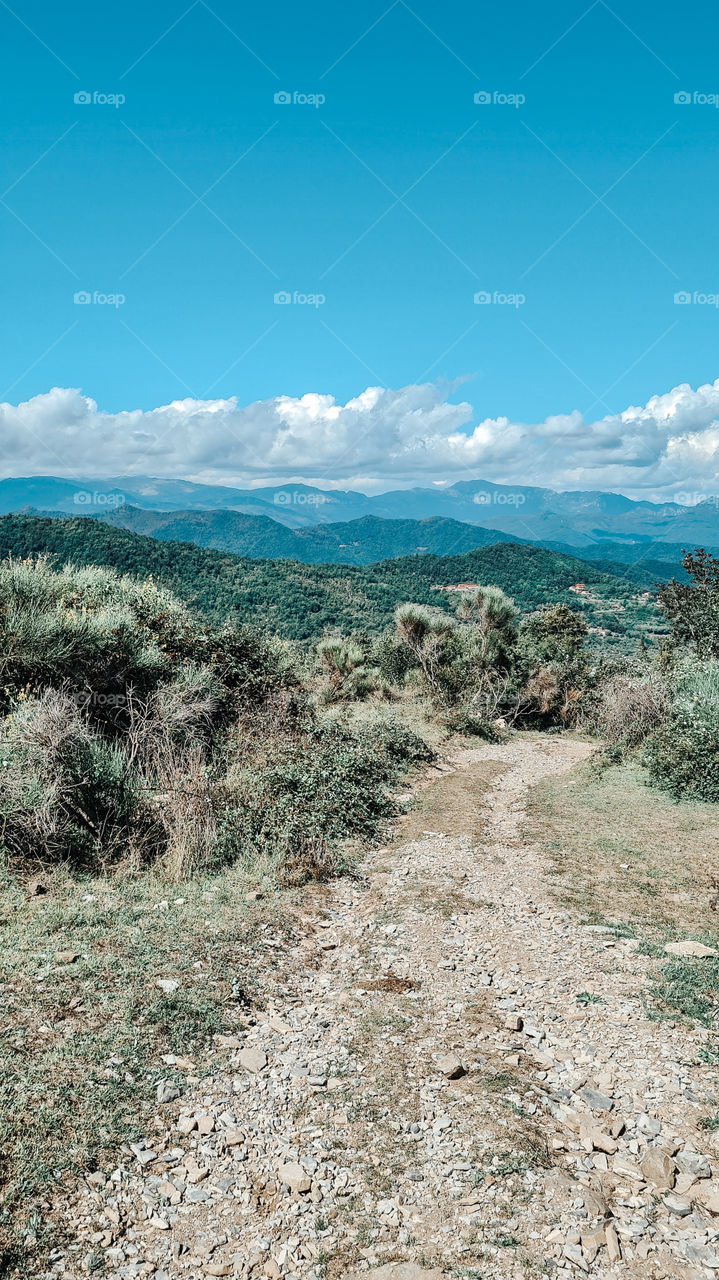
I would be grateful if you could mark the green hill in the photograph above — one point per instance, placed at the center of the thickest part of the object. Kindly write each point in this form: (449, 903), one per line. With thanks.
(300, 601)
(357, 542)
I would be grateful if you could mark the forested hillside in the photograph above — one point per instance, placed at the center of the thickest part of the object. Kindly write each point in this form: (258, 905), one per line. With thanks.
(357, 542)
(298, 601)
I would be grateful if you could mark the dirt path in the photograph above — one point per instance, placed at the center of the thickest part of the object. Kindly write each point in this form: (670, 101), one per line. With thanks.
(428, 1089)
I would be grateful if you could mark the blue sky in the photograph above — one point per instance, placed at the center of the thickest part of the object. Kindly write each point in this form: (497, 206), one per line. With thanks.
(396, 200)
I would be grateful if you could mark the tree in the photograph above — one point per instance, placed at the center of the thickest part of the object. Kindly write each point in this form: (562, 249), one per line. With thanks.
(552, 633)
(494, 620)
(693, 607)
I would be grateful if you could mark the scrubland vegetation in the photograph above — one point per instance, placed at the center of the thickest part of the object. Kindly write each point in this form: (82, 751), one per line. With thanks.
(150, 756)
(135, 732)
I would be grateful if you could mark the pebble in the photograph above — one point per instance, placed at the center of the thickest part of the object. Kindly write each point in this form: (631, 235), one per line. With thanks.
(451, 1067)
(689, 948)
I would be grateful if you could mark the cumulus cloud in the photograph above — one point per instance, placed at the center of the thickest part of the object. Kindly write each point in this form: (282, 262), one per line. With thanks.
(378, 439)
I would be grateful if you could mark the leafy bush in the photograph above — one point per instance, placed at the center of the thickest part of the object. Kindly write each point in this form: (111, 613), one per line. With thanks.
(683, 755)
(311, 794)
(555, 673)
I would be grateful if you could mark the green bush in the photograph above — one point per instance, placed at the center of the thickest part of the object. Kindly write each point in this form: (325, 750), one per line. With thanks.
(392, 659)
(312, 794)
(465, 663)
(683, 755)
(98, 635)
(345, 670)
(554, 672)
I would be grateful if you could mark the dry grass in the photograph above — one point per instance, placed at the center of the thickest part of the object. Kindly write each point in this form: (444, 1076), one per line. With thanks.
(81, 1041)
(624, 851)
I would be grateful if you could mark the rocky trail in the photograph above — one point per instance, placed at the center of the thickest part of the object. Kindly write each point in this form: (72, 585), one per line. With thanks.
(427, 1097)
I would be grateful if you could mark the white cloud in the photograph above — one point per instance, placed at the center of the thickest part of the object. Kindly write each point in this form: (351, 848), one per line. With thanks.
(379, 439)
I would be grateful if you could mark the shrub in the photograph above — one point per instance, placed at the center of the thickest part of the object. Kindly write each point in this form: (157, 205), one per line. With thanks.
(427, 634)
(393, 660)
(99, 635)
(683, 755)
(631, 707)
(554, 633)
(494, 626)
(133, 730)
(66, 791)
(466, 663)
(310, 795)
(555, 675)
(348, 675)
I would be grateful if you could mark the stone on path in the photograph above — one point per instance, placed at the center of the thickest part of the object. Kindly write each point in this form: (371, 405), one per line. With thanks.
(690, 948)
(658, 1169)
(167, 1091)
(613, 1249)
(451, 1067)
(253, 1060)
(678, 1206)
(596, 1100)
(692, 1162)
(294, 1177)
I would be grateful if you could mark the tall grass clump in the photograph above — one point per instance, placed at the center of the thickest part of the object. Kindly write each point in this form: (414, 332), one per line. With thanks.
(133, 731)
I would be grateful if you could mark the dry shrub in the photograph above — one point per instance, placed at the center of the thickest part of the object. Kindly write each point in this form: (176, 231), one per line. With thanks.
(631, 708)
(167, 736)
(66, 792)
(186, 803)
(554, 694)
(311, 858)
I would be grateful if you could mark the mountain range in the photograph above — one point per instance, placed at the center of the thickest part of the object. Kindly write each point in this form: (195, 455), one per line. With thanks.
(575, 518)
(316, 526)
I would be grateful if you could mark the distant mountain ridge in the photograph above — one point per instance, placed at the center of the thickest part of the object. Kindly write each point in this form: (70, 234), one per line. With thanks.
(581, 520)
(359, 542)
